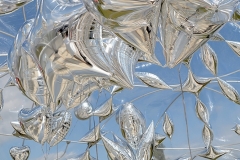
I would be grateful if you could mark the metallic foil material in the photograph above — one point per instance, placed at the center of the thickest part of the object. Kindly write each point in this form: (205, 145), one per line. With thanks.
(209, 58)
(168, 126)
(92, 136)
(202, 112)
(61, 123)
(73, 48)
(212, 153)
(18, 131)
(152, 80)
(228, 90)
(132, 123)
(8, 6)
(83, 111)
(235, 46)
(105, 109)
(186, 25)
(207, 136)
(193, 84)
(20, 153)
(36, 123)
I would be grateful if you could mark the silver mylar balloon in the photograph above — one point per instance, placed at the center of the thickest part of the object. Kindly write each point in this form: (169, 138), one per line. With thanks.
(236, 129)
(24, 70)
(55, 106)
(60, 126)
(134, 21)
(51, 15)
(88, 37)
(207, 135)
(17, 127)
(209, 58)
(18, 131)
(105, 117)
(131, 14)
(92, 136)
(7, 6)
(36, 123)
(228, 90)
(116, 89)
(116, 151)
(202, 112)
(105, 109)
(50, 49)
(83, 111)
(168, 126)
(132, 123)
(236, 15)
(217, 37)
(158, 138)
(152, 80)
(187, 25)
(60, 66)
(20, 153)
(75, 94)
(124, 144)
(193, 84)
(145, 147)
(235, 46)
(212, 153)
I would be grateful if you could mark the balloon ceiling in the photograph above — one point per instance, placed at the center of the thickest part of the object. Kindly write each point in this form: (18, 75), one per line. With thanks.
(120, 79)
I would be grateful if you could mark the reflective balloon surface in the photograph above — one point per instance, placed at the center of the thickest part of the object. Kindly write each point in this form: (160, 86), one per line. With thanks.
(119, 79)
(20, 153)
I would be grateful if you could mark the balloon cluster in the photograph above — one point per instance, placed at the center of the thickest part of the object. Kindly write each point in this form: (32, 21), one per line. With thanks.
(73, 48)
(40, 125)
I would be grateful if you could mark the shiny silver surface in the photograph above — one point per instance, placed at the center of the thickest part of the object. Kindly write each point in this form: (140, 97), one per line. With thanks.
(158, 139)
(193, 84)
(135, 25)
(20, 153)
(145, 147)
(187, 25)
(228, 90)
(8, 6)
(116, 151)
(152, 80)
(132, 124)
(36, 123)
(235, 46)
(105, 109)
(92, 136)
(209, 58)
(24, 70)
(83, 111)
(168, 126)
(18, 131)
(61, 123)
(212, 153)
(202, 112)
(68, 54)
(207, 136)
(118, 61)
